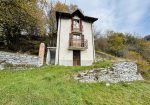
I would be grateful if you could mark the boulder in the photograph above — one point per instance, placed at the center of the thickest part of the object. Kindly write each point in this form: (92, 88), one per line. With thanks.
(2, 67)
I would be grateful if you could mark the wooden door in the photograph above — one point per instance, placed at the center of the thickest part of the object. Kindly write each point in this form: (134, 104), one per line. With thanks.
(76, 58)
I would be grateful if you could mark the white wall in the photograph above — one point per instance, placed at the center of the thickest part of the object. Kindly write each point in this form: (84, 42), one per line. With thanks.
(65, 55)
(87, 55)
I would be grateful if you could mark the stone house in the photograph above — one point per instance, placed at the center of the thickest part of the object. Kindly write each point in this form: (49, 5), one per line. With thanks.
(75, 40)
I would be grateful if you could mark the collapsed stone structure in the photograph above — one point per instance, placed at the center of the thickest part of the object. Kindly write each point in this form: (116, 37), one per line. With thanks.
(122, 71)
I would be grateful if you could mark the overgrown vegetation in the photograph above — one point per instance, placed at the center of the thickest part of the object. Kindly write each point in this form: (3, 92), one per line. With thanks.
(119, 44)
(18, 17)
(21, 20)
(28, 44)
(54, 85)
(127, 46)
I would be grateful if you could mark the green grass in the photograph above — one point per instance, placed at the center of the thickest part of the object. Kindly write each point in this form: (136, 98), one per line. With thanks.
(54, 85)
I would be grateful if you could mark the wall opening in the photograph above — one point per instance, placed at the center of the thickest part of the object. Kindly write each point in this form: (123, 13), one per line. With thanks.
(76, 58)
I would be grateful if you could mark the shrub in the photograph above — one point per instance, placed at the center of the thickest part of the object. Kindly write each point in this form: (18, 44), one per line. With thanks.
(143, 65)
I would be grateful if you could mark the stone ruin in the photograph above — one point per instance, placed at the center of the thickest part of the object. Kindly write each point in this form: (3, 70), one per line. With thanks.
(119, 72)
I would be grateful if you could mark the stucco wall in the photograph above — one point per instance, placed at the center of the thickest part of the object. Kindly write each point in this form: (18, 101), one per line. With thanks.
(87, 56)
(65, 55)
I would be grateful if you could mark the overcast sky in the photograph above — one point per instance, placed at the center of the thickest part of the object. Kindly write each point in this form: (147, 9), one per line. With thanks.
(119, 15)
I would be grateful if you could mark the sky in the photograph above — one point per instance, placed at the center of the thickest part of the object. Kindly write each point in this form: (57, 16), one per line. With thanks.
(129, 16)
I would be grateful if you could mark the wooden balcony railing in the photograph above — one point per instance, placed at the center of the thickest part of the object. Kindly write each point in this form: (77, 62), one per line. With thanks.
(78, 44)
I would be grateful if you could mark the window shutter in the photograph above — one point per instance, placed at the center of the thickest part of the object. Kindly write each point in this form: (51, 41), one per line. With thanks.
(82, 40)
(71, 36)
(82, 37)
(71, 24)
(70, 39)
(81, 25)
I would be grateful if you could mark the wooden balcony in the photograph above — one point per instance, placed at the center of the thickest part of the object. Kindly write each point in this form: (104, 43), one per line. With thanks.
(78, 44)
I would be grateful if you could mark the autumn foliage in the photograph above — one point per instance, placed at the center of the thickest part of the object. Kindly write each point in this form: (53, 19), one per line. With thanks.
(119, 44)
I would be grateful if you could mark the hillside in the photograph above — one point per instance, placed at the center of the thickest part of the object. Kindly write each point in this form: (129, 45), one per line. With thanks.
(54, 85)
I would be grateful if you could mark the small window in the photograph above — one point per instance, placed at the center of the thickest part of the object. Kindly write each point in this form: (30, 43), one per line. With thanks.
(76, 23)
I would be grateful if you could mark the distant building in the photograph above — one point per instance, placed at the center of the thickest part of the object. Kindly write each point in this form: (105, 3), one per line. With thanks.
(147, 37)
(75, 40)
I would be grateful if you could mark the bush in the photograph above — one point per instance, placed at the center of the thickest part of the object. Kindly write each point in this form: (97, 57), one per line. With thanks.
(28, 44)
(143, 65)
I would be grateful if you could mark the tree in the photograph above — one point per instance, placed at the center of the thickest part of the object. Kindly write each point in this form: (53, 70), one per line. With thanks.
(61, 7)
(101, 43)
(144, 49)
(21, 15)
(116, 43)
(100, 40)
(131, 42)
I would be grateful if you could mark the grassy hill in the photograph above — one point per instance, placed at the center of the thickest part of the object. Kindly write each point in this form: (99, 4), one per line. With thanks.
(54, 85)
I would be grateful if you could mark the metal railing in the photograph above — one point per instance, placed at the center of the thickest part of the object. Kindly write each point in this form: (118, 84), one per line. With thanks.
(78, 44)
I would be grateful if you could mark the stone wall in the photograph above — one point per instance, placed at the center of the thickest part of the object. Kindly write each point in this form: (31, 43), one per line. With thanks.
(123, 71)
(19, 59)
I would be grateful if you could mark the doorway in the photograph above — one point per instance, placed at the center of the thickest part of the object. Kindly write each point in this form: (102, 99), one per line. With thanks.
(52, 57)
(76, 58)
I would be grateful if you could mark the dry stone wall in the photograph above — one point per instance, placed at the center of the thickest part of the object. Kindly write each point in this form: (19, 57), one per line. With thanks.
(123, 71)
(19, 59)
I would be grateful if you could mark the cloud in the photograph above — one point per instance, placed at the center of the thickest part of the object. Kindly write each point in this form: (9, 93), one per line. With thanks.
(118, 15)
(121, 15)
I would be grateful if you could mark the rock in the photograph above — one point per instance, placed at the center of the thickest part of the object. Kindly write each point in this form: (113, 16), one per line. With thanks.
(107, 84)
(122, 71)
(2, 66)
